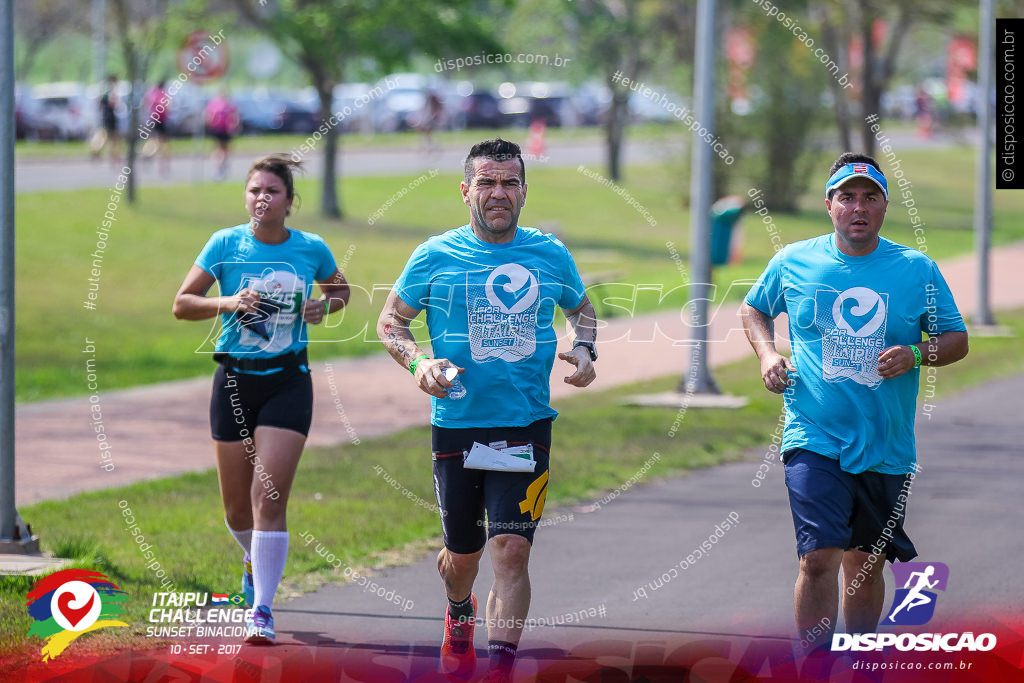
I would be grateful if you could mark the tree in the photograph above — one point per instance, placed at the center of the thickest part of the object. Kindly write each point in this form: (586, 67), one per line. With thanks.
(785, 114)
(621, 39)
(881, 44)
(39, 22)
(835, 35)
(327, 37)
(142, 29)
(771, 137)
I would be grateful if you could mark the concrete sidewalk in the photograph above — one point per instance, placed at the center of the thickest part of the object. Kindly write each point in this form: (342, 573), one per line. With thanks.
(162, 430)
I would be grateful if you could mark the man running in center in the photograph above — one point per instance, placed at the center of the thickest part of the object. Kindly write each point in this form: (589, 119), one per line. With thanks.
(490, 289)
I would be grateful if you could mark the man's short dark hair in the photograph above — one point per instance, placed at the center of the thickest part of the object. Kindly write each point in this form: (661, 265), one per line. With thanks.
(497, 150)
(850, 158)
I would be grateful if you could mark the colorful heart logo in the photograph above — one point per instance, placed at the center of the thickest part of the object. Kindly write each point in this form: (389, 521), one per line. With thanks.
(72, 614)
(75, 605)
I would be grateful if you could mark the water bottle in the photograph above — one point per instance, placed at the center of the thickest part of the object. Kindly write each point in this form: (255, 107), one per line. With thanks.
(458, 390)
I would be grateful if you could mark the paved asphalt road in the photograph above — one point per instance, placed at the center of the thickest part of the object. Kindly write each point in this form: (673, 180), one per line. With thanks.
(964, 511)
(37, 175)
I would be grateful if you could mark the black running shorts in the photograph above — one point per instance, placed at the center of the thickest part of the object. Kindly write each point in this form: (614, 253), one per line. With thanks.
(512, 501)
(242, 401)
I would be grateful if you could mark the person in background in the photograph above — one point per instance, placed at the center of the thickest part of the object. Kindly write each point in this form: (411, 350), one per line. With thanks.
(157, 105)
(222, 122)
(108, 134)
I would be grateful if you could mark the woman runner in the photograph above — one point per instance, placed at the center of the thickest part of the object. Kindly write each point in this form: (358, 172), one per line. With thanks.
(262, 402)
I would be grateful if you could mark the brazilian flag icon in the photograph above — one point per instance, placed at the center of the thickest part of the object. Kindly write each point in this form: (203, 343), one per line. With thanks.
(237, 599)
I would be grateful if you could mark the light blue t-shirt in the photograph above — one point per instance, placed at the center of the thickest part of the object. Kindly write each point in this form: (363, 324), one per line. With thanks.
(843, 310)
(283, 273)
(490, 309)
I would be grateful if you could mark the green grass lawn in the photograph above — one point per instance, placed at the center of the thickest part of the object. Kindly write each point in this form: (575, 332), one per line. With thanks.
(153, 243)
(348, 507)
(79, 149)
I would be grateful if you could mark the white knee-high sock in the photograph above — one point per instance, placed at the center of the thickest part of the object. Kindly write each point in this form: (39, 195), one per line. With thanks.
(244, 538)
(269, 553)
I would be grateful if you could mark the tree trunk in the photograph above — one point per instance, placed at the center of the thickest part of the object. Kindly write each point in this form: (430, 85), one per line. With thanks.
(869, 97)
(842, 104)
(330, 207)
(615, 129)
(131, 139)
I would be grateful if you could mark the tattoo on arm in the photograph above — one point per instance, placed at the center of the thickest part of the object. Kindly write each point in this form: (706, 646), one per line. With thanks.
(584, 323)
(399, 342)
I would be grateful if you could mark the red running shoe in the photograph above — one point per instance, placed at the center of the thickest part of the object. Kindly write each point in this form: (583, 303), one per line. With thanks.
(458, 658)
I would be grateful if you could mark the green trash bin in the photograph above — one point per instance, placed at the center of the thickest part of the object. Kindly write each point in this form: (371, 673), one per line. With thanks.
(725, 213)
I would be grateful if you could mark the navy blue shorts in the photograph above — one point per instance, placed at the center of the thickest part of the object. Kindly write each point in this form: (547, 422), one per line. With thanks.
(836, 509)
(513, 501)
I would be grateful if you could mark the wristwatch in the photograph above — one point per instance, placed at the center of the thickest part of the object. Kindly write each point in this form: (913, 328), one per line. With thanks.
(589, 346)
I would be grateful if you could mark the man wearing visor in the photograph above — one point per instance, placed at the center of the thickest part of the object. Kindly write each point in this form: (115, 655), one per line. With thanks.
(864, 314)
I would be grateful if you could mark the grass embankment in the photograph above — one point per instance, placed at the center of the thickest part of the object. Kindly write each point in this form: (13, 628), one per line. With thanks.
(352, 511)
(153, 243)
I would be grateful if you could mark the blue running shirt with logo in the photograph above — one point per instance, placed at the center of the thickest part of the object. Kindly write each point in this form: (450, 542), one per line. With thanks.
(283, 273)
(490, 309)
(844, 310)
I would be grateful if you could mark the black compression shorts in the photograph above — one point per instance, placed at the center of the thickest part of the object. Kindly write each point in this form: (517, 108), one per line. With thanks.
(242, 401)
(513, 501)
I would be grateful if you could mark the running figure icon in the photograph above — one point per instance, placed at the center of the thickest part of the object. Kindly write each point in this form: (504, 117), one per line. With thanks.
(915, 597)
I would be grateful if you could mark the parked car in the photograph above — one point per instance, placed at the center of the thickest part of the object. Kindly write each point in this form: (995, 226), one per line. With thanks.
(403, 105)
(591, 102)
(301, 112)
(523, 103)
(61, 111)
(269, 111)
(480, 110)
(357, 98)
(20, 119)
(186, 109)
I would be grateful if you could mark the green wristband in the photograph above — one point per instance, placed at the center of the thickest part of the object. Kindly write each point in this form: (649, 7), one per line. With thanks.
(412, 365)
(917, 355)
